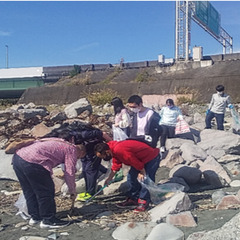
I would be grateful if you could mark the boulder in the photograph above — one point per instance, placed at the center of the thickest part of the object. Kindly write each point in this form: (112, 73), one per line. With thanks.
(76, 108)
(220, 140)
(177, 203)
(192, 152)
(165, 231)
(133, 231)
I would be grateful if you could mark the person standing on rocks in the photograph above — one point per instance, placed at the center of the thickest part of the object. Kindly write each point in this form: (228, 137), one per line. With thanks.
(219, 102)
(170, 114)
(143, 159)
(122, 117)
(33, 166)
(145, 122)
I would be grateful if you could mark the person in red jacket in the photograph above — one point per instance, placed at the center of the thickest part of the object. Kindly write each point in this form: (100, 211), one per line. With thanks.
(143, 159)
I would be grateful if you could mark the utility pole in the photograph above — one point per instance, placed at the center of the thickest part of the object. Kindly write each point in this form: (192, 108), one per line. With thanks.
(6, 56)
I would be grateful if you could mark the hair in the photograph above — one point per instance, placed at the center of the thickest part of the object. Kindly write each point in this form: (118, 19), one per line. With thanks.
(220, 88)
(117, 105)
(101, 148)
(170, 101)
(135, 99)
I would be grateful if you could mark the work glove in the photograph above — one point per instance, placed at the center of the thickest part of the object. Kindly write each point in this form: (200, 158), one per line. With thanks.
(207, 112)
(231, 106)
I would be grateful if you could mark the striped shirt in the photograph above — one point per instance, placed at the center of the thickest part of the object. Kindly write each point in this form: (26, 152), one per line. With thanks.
(49, 154)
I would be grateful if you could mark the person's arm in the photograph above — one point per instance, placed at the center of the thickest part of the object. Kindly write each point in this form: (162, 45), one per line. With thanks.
(126, 121)
(110, 177)
(70, 169)
(229, 104)
(211, 103)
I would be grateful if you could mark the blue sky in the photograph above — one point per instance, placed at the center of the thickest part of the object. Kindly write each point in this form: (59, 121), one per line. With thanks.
(54, 33)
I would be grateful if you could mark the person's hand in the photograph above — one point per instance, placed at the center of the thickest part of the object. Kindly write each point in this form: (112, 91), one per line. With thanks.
(231, 106)
(116, 125)
(180, 118)
(141, 175)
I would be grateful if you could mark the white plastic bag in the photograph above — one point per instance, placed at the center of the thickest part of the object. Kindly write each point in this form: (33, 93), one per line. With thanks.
(118, 134)
(157, 192)
(235, 120)
(22, 207)
(182, 127)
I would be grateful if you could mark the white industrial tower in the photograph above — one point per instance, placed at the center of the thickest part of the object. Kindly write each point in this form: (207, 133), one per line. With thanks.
(206, 17)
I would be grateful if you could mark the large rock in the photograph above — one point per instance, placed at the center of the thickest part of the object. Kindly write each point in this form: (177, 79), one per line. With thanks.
(173, 158)
(165, 231)
(192, 152)
(183, 219)
(76, 108)
(220, 140)
(229, 231)
(214, 173)
(178, 203)
(133, 231)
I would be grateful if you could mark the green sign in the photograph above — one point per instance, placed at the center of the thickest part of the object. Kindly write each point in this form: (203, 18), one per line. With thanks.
(208, 16)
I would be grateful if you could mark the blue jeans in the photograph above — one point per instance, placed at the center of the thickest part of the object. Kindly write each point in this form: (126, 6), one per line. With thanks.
(38, 188)
(135, 188)
(91, 165)
(219, 119)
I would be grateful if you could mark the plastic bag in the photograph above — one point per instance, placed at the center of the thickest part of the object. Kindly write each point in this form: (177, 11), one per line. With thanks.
(22, 207)
(118, 134)
(157, 192)
(182, 127)
(235, 120)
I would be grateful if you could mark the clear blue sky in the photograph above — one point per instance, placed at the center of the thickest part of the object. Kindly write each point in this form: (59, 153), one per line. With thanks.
(56, 33)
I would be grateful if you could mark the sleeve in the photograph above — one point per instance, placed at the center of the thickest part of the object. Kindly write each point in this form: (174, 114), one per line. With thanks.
(125, 122)
(135, 162)
(70, 169)
(229, 101)
(161, 113)
(211, 103)
(116, 165)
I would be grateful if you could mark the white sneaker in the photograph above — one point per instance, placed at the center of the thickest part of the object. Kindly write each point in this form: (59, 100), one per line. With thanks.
(33, 222)
(162, 149)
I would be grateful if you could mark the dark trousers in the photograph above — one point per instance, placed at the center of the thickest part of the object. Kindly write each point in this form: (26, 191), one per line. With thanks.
(38, 188)
(166, 132)
(135, 189)
(90, 169)
(219, 119)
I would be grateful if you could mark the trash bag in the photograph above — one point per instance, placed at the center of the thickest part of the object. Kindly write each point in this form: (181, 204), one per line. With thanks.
(182, 127)
(22, 207)
(157, 192)
(235, 120)
(118, 134)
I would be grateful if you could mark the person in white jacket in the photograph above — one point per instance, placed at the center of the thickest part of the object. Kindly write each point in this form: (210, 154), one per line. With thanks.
(122, 117)
(219, 102)
(170, 114)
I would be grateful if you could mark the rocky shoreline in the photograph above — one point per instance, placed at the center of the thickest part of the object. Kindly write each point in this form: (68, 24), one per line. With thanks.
(205, 162)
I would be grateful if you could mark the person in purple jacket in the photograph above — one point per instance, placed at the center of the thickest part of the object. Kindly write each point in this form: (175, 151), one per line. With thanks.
(33, 166)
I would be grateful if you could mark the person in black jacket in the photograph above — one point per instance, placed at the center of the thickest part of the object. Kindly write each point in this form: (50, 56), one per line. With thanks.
(145, 122)
(85, 134)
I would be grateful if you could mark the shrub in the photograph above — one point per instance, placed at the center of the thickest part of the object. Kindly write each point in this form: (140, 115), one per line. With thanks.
(75, 71)
(111, 76)
(101, 96)
(144, 76)
(192, 98)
